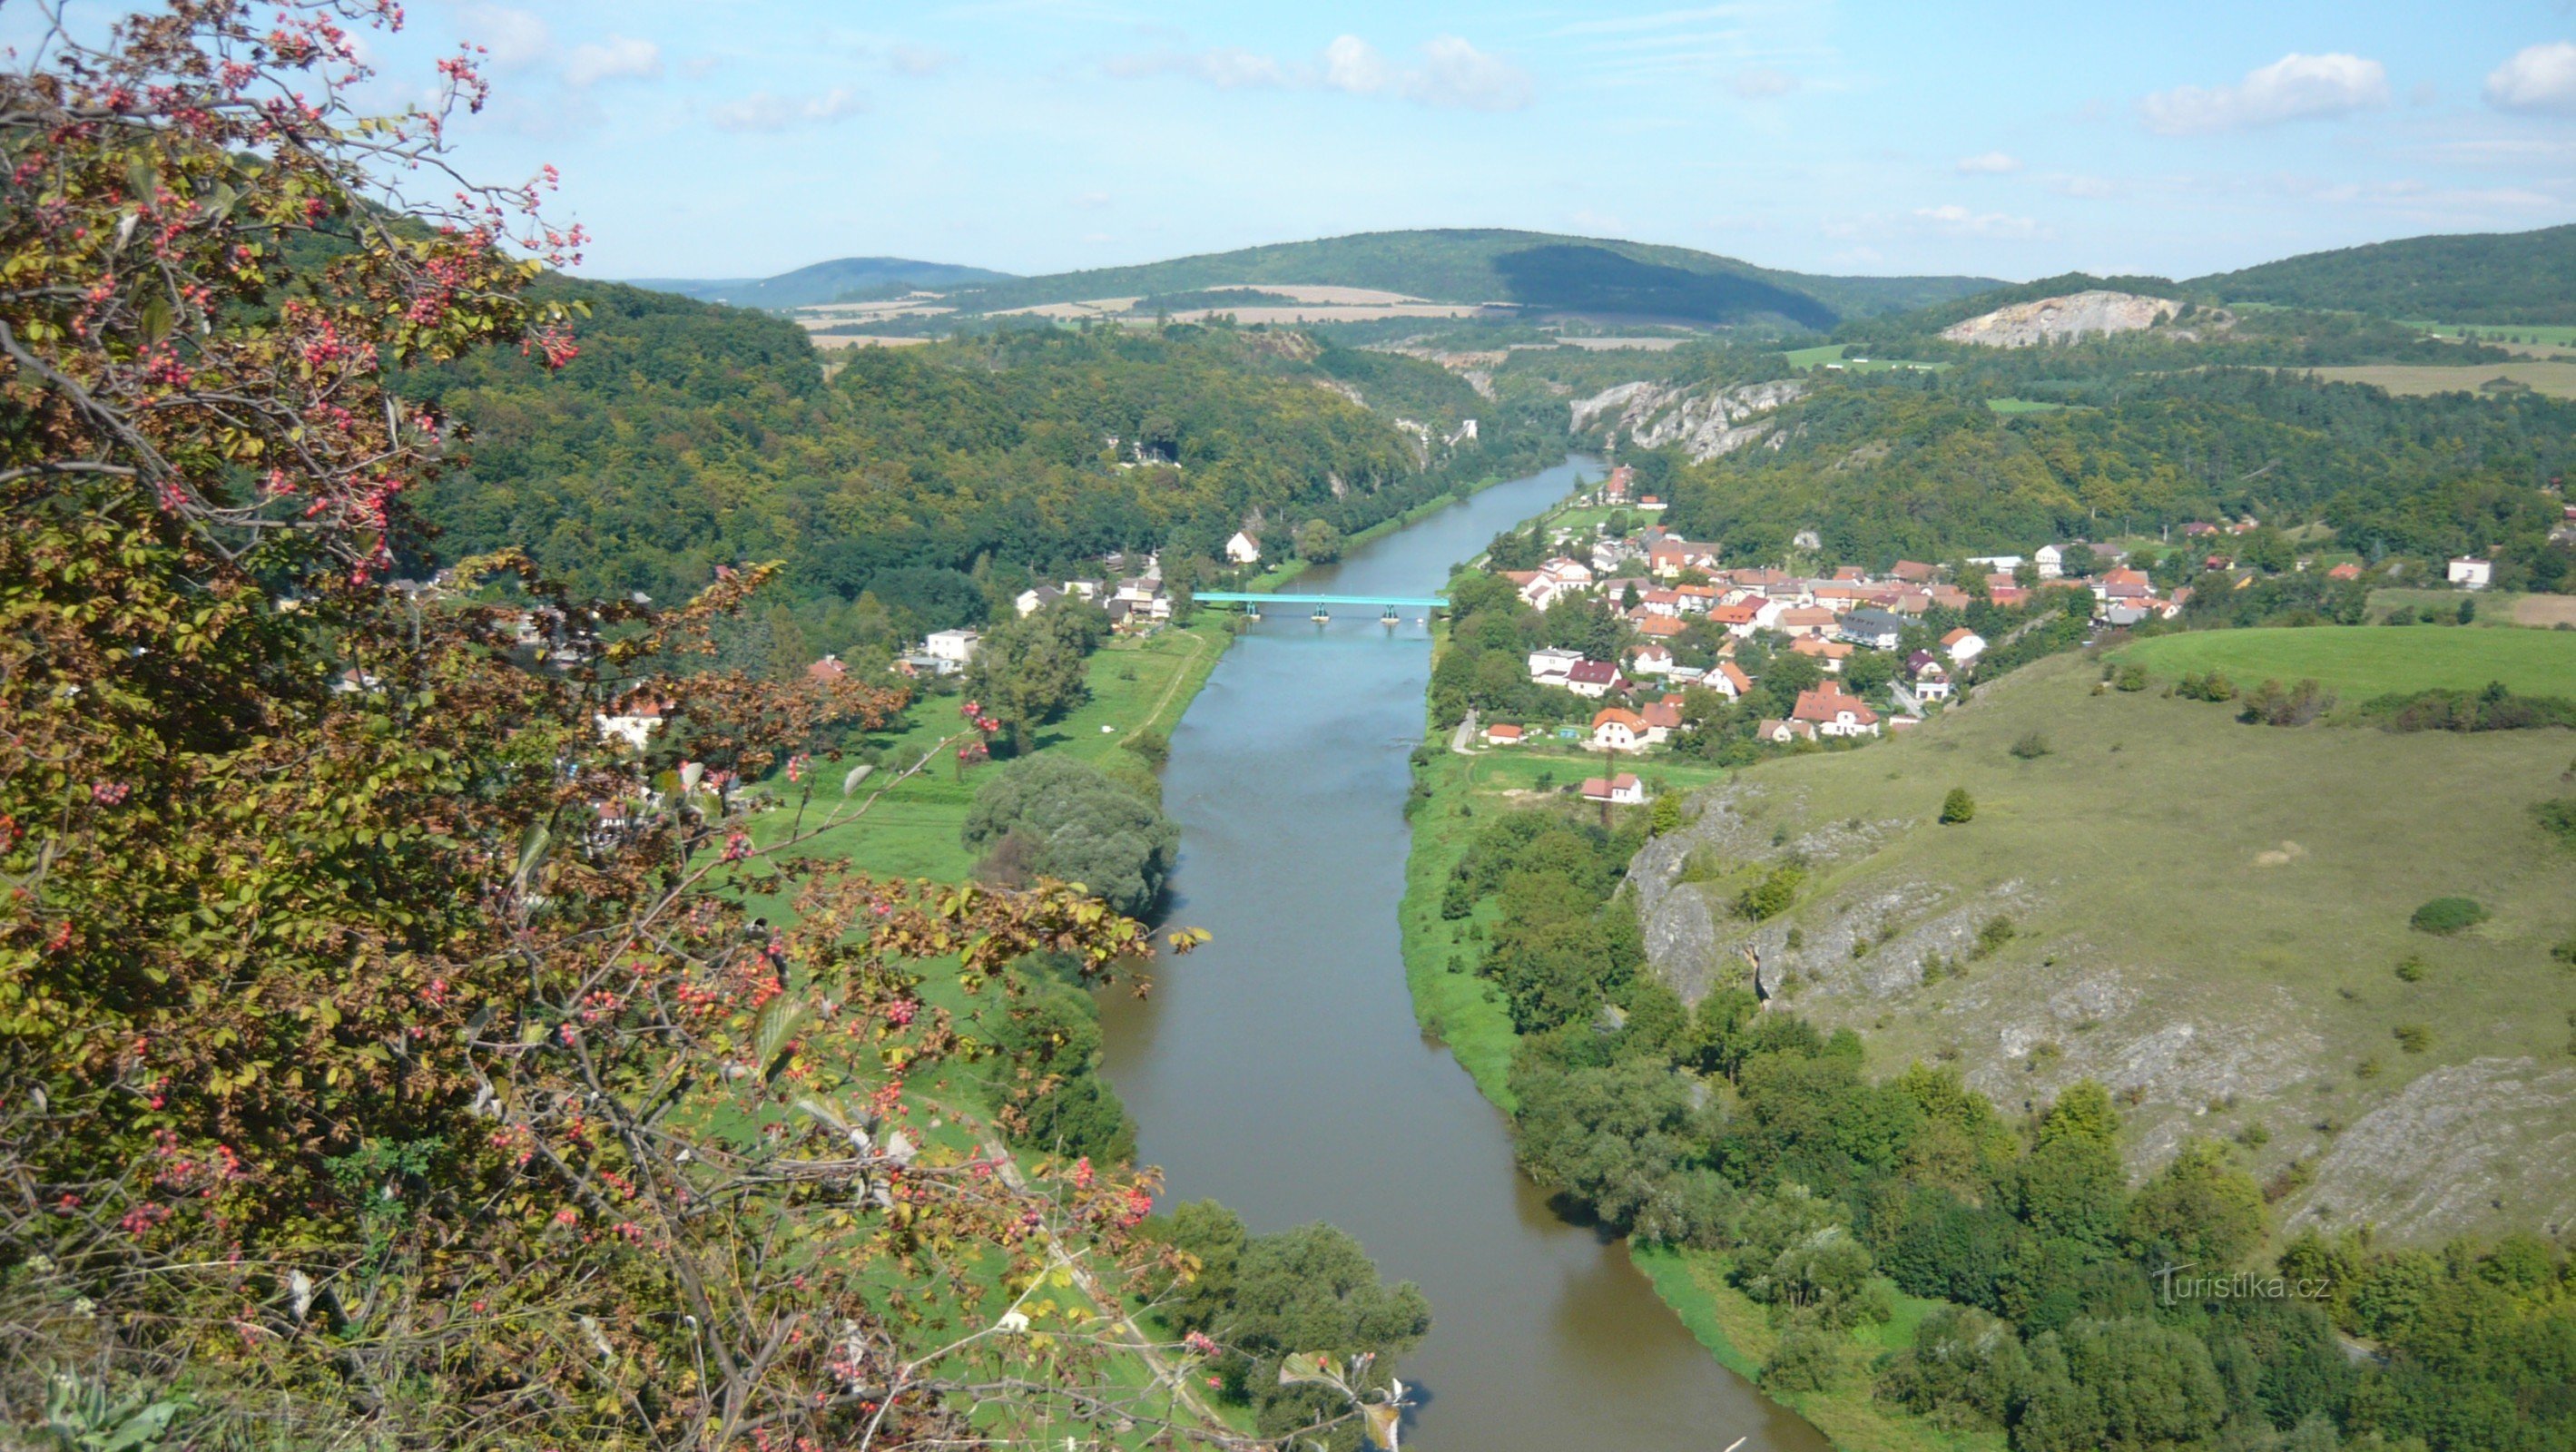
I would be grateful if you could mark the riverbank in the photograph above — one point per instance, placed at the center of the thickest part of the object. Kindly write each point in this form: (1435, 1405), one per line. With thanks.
(1453, 796)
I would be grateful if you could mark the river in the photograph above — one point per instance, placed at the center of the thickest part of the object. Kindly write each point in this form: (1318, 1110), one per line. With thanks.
(1279, 1068)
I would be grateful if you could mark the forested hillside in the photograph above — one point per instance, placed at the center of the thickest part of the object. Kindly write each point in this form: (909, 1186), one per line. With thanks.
(686, 436)
(2488, 277)
(1538, 269)
(1910, 465)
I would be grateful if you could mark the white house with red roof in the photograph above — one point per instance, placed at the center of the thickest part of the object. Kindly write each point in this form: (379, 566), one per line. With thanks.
(1623, 790)
(1594, 679)
(1963, 645)
(1833, 713)
(1617, 729)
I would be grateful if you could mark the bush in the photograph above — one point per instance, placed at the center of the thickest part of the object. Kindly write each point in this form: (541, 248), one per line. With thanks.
(2412, 968)
(2131, 678)
(2031, 747)
(2565, 952)
(1958, 807)
(2414, 1038)
(1665, 816)
(2557, 818)
(1807, 1359)
(1151, 746)
(1772, 895)
(2446, 915)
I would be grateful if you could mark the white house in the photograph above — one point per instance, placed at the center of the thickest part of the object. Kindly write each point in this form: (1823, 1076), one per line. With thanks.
(958, 646)
(1594, 679)
(2051, 561)
(1831, 713)
(1243, 549)
(1551, 666)
(2471, 573)
(637, 718)
(1621, 790)
(1614, 729)
(1650, 660)
(1035, 599)
(1963, 645)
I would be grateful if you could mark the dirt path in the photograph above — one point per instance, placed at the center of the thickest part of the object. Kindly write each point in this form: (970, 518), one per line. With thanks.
(1197, 644)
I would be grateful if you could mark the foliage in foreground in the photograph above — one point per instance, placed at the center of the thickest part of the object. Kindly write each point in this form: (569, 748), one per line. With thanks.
(386, 1057)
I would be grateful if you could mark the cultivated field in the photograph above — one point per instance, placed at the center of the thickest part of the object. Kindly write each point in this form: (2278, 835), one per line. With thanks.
(2362, 661)
(2557, 380)
(2207, 916)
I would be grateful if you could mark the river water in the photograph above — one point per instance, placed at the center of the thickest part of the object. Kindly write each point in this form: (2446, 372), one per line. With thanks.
(1279, 1069)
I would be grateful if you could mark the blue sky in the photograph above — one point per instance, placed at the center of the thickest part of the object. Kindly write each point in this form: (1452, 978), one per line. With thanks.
(2011, 139)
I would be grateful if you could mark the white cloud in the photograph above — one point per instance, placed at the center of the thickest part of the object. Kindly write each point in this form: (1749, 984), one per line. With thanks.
(1761, 83)
(2538, 78)
(1454, 73)
(1451, 73)
(515, 39)
(2293, 88)
(2080, 186)
(1992, 163)
(761, 111)
(616, 58)
(1352, 64)
(918, 60)
(1952, 217)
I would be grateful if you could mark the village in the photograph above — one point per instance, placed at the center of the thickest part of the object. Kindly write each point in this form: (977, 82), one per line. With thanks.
(1883, 657)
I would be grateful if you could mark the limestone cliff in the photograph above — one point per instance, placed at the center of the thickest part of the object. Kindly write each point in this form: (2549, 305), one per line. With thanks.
(2060, 319)
(1705, 419)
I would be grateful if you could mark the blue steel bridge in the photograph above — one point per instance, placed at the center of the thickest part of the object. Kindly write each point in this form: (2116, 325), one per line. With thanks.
(1321, 604)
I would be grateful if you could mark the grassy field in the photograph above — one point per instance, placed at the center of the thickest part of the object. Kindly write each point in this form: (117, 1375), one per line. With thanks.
(2209, 917)
(2022, 405)
(1136, 684)
(2557, 380)
(2495, 607)
(2362, 661)
(2549, 333)
(1803, 359)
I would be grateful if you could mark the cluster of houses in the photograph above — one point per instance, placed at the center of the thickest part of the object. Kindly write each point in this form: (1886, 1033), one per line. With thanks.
(1134, 602)
(1664, 584)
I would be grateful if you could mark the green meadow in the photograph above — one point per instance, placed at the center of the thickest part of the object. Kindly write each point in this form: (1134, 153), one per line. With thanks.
(2359, 662)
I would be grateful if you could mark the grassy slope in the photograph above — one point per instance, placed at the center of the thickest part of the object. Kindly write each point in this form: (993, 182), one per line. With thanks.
(2173, 873)
(2555, 380)
(2364, 661)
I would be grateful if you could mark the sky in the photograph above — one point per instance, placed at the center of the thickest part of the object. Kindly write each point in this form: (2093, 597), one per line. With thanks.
(745, 137)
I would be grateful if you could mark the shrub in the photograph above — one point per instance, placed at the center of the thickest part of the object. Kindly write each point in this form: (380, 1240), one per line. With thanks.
(2565, 952)
(1997, 932)
(1807, 1359)
(1151, 747)
(1958, 807)
(2031, 746)
(2414, 1038)
(1666, 815)
(2131, 678)
(1772, 895)
(2446, 915)
(2411, 968)
(2557, 817)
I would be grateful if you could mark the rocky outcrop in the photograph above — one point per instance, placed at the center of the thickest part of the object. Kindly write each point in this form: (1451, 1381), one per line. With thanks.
(2062, 319)
(1705, 419)
(2459, 1145)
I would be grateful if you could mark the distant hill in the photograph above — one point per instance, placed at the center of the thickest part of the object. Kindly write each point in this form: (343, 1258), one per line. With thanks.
(2483, 277)
(1540, 270)
(824, 282)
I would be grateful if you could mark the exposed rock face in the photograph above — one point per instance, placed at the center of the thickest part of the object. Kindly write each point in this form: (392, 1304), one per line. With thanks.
(1704, 419)
(1886, 951)
(2052, 319)
(2443, 1155)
